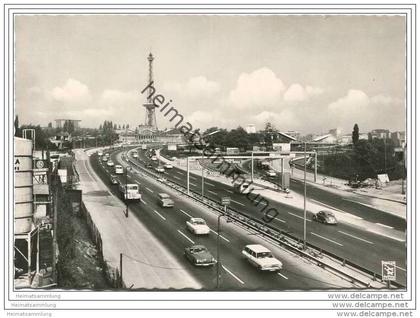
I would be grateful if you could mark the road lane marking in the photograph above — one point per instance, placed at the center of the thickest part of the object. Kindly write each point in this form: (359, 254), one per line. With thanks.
(300, 217)
(282, 275)
(177, 177)
(326, 239)
(212, 192)
(150, 190)
(186, 237)
(283, 221)
(233, 275)
(192, 177)
(221, 236)
(387, 226)
(358, 238)
(390, 237)
(185, 213)
(352, 215)
(334, 208)
(193, 184)
(144, 202)
(210, 184)
(228, 191)
(179, 172)
(237, 202)
(159, 215)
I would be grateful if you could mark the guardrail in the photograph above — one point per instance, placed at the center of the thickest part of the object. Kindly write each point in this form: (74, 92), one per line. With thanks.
(284, 239)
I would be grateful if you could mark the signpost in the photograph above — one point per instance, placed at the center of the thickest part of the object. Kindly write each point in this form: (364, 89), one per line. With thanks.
(389, 272)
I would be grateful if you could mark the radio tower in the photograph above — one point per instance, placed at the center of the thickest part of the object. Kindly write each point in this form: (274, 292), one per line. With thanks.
(150, 119)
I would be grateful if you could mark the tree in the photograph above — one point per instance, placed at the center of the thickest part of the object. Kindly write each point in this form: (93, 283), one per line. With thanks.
(355, 134)
(17, 130)
(50, 125)
(127, 126)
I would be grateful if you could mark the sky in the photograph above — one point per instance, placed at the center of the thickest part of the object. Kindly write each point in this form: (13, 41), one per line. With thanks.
(303, 73)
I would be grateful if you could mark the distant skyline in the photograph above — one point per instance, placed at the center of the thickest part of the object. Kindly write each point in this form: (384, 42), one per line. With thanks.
(304, 73)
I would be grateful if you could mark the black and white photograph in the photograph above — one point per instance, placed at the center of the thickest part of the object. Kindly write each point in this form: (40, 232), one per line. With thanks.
(210, 153)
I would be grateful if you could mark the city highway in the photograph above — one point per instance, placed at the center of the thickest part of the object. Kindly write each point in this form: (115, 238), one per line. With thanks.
(168, 225)
(357, 245)
(333, 199)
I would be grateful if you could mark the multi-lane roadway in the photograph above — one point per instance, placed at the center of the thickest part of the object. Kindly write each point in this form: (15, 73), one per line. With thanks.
(365, 248)
(169, 226)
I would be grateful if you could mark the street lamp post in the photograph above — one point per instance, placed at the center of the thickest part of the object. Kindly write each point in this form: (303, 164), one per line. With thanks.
(304, 198)
(202, 174)
(218, 253)
(126, 191)
(225, 202)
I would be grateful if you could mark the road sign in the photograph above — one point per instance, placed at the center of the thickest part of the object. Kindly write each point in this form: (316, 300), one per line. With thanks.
(225, 201)
(389, 270)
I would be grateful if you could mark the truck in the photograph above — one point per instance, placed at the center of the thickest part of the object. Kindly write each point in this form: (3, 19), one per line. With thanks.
(129, 191)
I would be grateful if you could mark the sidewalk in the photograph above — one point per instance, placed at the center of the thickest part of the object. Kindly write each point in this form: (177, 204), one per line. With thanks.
(295, 200)
(146, 263)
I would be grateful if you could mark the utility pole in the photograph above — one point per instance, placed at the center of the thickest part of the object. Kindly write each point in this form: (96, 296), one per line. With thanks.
(121, 271)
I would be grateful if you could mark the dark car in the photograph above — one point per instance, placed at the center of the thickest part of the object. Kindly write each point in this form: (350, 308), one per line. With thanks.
(149, 165)
(199, 255)
(114, 179)
(326, 217)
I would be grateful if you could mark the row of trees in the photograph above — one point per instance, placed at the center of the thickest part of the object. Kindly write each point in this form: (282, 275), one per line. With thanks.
(365, 159)
(238, 137)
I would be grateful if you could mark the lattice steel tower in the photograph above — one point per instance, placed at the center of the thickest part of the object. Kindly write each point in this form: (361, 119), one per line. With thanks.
(150, 119)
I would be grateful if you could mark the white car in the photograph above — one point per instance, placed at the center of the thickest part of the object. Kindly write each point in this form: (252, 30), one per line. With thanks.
(154, 158)
(198, 226)
(261, 257)
(165, 200)
(168, 166)
(119, 169)
(173, 158)
(105, 158)
(160, 169)
(271, 173)
(100, 153)
(110, 163)
(135, 155)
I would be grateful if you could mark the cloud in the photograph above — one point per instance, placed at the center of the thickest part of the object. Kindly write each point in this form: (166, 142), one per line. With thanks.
(297, 93)
(356, 106)
(116, 99)
(73, 91)
(195, 87)
(260, 88)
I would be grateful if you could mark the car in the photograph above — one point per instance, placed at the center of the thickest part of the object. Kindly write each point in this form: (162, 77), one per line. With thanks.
(160, 169)
(271, 173)
(135, 155)
(197, 226)
(165, 200)
(261, 257)
(119, 169)
(100, 153)
(161, 179)
(114, 180)
(326, 217)
(149, 165)
(199, 255)
(105, 158)
(242, 187)
(110, 163)
(173, 158)
(168, 166)
(153, 158)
